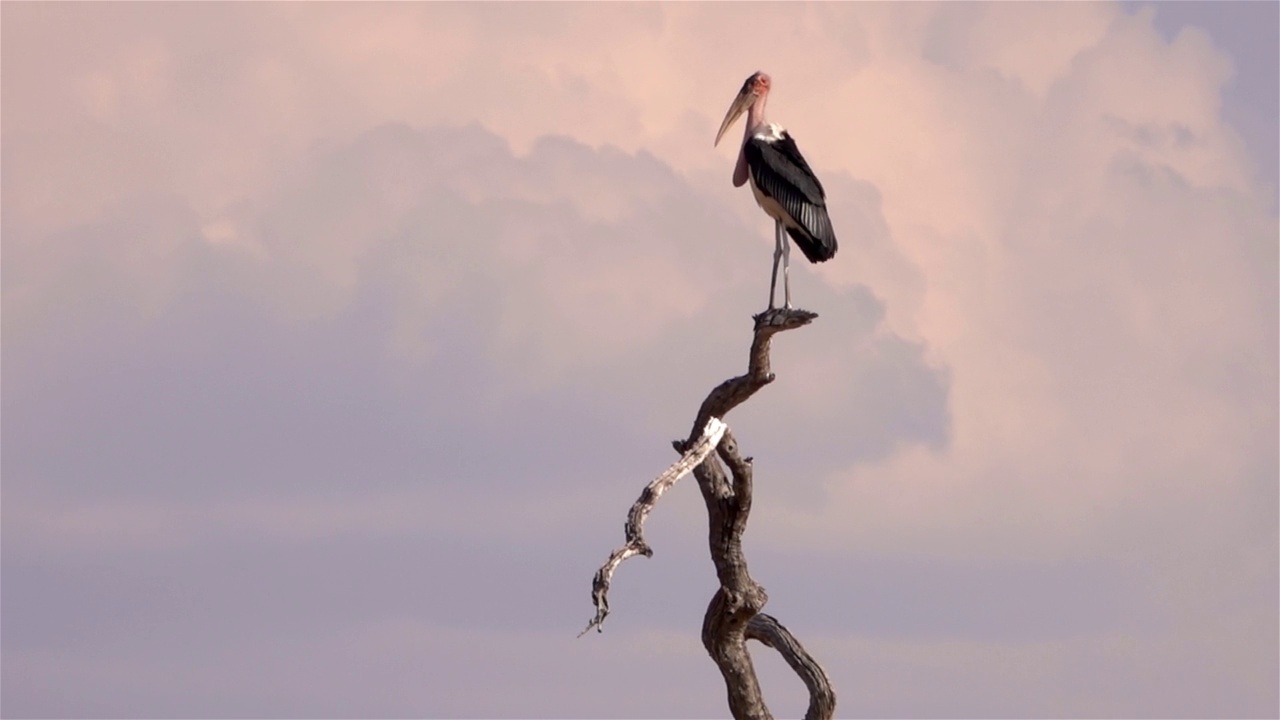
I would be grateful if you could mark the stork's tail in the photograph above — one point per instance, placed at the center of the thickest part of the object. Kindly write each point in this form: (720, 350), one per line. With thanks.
(817, 239)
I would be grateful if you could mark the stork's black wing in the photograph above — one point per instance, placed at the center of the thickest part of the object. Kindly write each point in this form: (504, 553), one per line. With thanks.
(781, 172)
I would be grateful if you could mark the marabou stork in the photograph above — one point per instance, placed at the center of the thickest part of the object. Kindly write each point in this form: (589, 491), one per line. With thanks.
(783, 183)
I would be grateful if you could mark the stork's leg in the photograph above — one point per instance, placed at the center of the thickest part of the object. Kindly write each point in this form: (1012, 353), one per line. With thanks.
(786, 267)
(777, 255)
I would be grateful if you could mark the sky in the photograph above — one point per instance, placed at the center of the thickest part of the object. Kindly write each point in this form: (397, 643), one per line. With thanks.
(339, 338)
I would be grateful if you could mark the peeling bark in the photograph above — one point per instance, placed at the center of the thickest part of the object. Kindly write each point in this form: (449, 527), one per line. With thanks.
(634, 529)
(733, 615)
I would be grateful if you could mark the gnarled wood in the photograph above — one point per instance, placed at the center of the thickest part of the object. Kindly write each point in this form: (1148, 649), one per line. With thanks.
(822, 699)
(740, 597)
(733, 615)
(634, 529)
(733, 392)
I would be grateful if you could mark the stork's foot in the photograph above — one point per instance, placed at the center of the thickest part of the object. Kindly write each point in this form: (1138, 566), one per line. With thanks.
(784, 318)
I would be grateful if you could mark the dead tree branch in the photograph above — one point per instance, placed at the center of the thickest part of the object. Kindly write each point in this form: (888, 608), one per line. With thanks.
(733, 615)
(822, 698)
(733, 392)
(634, 529)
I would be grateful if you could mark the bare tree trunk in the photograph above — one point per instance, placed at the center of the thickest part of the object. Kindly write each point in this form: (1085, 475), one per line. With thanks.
(733, 616)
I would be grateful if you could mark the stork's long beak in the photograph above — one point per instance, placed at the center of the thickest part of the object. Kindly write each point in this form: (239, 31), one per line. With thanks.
(739, 106)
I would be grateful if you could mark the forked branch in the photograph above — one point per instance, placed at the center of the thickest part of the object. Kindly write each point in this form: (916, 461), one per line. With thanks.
(733, 615)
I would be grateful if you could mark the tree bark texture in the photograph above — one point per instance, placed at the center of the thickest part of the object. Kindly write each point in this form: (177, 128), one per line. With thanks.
(733, 616)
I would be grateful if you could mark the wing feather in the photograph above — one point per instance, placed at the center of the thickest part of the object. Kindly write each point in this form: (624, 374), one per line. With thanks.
(781, 172)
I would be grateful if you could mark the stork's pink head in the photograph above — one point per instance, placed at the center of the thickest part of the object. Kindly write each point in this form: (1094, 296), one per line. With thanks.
(759, 83)
(754, 89)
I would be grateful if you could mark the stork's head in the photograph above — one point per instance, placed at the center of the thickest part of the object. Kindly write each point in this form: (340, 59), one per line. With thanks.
(756, 87)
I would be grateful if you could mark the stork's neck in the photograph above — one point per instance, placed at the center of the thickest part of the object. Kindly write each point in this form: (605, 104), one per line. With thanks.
(755, 115)
(755, 118)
